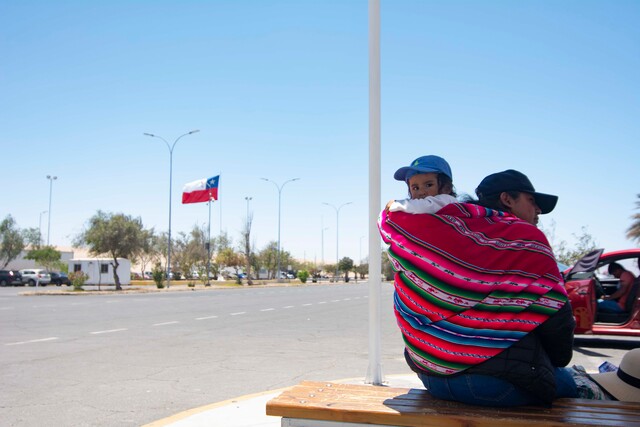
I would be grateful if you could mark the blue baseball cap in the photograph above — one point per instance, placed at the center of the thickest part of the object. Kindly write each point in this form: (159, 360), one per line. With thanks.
(424, 164)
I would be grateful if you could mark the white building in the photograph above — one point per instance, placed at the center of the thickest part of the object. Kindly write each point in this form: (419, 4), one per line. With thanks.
(100, 270)
(21, 262)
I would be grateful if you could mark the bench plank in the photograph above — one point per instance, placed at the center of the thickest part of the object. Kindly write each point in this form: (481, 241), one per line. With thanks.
(366, 404)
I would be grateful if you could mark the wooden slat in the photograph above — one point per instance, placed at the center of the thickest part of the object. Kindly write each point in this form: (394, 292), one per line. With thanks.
(412, 407)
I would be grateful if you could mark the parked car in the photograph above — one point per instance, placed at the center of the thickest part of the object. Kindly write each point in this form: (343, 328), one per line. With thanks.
(60, 279)
(588, 279)
(10, 277)
(32, 275)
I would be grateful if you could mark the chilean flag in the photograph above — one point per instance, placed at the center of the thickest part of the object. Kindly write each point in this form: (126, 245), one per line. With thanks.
(201, 190)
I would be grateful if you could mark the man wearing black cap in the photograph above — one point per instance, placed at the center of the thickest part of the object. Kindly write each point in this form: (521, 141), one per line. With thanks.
(511, 191)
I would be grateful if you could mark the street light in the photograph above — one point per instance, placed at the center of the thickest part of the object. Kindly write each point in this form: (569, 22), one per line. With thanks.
(322, 243)
(170, 147)
(279, 187)
(51, 179)
(248, 199)
(247, 242)
(40, 227)
(337, 230)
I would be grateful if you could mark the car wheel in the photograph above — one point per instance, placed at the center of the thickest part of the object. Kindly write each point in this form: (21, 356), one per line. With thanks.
(3, 283)
(32, 282)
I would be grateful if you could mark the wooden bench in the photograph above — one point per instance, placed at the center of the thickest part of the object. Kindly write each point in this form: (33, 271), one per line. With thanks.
(318, 404)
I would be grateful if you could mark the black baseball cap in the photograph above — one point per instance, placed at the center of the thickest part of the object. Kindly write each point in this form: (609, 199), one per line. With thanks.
(512, 180)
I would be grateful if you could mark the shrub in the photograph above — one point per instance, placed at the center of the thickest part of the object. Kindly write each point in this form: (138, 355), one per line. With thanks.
(78, 279)
(158, 277)
(303, 275)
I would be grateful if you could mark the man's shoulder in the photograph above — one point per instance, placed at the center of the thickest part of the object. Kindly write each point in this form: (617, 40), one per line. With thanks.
(628, 277)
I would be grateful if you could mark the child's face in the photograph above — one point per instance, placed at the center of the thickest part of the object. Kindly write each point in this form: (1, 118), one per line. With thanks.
(423, 185)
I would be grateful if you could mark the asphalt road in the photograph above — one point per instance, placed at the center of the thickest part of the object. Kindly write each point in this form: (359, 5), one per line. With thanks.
(118, 360)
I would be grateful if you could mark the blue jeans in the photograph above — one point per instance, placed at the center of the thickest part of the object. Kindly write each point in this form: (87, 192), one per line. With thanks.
(609, 306)
(486, 390)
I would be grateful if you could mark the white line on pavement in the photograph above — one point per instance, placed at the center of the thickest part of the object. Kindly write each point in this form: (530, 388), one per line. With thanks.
(240, 312)
(108, 331)
(267, 309)
(32, 341)
(322, 302)
(205, 318)
(288, 306)
(166, 323)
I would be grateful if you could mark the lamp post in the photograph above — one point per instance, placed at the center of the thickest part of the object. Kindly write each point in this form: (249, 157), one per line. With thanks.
(170, 147)
(51, 179)
(247, 243)
(322, 243)
(40, 227)
(208, 244)
(337, 230)
(279, 187)
(248, 199)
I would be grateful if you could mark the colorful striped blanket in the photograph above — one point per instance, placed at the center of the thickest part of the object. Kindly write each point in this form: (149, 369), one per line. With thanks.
(469, 282)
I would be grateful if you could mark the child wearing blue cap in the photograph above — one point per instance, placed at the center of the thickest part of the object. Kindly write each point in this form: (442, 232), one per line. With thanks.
(430, 183)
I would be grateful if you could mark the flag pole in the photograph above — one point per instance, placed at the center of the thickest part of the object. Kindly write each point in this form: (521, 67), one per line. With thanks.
(220, 204)
(374, 372)
(209, 245)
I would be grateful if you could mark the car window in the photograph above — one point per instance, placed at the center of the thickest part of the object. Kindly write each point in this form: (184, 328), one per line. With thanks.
(630, 264)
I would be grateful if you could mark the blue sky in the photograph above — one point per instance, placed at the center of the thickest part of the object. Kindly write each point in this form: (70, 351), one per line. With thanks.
(279, 89)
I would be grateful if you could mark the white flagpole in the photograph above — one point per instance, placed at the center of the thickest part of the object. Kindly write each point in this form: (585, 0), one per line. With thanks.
(209, 245)
(219, 204)
(374, 372)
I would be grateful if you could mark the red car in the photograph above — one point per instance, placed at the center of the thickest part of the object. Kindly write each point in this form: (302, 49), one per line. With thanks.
(589, 279)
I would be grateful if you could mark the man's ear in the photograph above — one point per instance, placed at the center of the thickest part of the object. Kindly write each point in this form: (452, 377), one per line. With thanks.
(506, 199)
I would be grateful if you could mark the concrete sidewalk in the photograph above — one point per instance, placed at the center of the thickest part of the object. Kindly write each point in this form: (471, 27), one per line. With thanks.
(249, 411)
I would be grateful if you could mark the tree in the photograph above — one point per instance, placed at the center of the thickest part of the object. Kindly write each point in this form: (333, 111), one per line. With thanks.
(150, 253)
(268, 258)
(345, 264)
(223, 241)
(191, 251)
(633, 232)
(363, 270)
(561, 250)
(118, 235)
(570, 256)
(230, 258)
(329, 269)
(46, 256)
(387, 268)
(32, 237)
(11, 241)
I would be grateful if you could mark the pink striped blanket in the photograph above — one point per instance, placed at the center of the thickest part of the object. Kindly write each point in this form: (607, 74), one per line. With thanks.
(469, 282)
